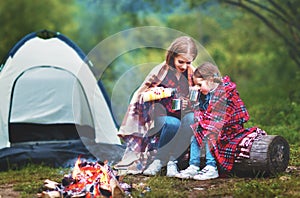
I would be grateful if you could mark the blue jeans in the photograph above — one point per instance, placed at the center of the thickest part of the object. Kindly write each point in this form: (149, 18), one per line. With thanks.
(169, 127)
(175, 136)
(195, 154)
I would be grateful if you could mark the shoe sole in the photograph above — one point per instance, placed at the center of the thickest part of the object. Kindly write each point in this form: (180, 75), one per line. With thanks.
(205, 178)
(188, 177)
(134, 172)
(151, 174)
(148, 174)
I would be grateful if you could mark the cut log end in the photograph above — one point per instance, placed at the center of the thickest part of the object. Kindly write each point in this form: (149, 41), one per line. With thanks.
(268, 156)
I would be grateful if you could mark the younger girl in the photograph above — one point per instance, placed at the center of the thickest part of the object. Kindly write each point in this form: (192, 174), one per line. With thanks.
(221, 123)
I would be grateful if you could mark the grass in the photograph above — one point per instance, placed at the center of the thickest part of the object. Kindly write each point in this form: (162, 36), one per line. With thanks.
(28, 181)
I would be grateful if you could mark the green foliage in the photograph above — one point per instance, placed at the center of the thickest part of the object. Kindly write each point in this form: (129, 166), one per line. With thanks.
(294, 155)
(19, 18)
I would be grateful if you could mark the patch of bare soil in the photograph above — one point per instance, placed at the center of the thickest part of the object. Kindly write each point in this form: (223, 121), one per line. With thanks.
(6, 191)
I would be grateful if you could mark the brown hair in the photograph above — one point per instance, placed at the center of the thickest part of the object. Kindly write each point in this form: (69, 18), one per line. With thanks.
(208, 70)
(181, 45)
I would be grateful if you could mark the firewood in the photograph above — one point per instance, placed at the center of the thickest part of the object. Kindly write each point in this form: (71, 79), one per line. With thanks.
(38, 195)
(47, 181)
(116, 190)
(51, 194)
(51, 185)
(81, 195)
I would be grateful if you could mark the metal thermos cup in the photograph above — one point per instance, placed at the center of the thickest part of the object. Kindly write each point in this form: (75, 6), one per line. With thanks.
(194, 95)
(176, 104)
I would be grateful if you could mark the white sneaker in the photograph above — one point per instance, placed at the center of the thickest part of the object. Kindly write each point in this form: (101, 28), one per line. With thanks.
(153, 168)
(133, 172)
(208, 172)
(172, 169)
(190, 172)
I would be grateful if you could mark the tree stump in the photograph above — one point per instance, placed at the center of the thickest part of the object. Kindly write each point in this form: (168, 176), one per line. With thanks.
(268, 156)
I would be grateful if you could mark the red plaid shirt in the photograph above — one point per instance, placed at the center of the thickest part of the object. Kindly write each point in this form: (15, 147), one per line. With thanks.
(222, 123)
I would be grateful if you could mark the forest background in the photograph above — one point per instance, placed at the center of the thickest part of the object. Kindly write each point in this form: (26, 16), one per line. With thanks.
(256, 43)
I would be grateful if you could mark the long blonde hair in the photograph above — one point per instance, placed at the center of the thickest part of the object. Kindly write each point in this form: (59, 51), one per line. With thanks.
(207, 71)
(180, 46)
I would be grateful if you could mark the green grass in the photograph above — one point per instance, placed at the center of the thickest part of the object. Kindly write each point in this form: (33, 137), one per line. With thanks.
(28, 181)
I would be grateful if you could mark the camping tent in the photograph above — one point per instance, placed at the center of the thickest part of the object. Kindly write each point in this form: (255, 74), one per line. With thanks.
(49, 95)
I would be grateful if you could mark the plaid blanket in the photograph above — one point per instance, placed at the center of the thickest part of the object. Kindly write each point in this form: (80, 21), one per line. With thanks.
(222, 123)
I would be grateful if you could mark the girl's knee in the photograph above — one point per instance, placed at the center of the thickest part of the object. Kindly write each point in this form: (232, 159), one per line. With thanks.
(188, 116)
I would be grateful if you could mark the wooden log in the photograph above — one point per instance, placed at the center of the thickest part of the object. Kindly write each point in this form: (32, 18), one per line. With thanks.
(268, 156)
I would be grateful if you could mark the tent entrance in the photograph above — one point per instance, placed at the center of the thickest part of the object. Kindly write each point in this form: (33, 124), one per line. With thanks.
(28, 132)
(49, 104)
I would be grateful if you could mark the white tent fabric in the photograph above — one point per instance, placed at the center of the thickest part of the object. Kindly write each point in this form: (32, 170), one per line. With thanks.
(25, 84)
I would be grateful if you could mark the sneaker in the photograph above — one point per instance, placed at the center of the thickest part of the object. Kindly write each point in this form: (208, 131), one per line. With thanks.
(190, 172)
(133, 172)
(208, 172)
(153, 168)
(172, 169)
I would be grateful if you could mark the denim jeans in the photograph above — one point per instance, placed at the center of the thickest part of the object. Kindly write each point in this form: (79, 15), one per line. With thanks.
(175, 136)
(195, 154)
(169, 127)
